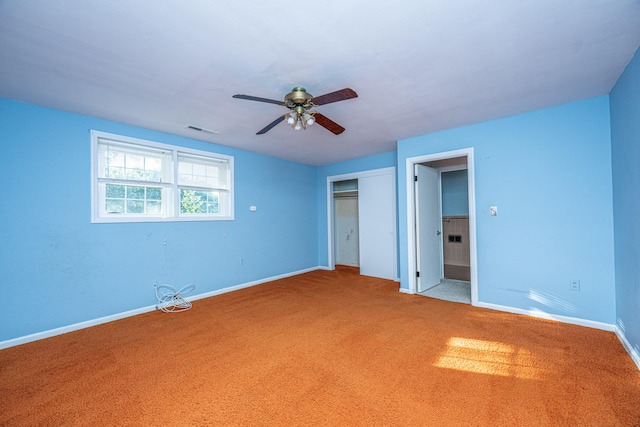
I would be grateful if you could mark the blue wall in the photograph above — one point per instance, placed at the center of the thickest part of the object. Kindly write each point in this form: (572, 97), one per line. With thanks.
(625, 139)
(58, 269)
(549, 173)
(455, 193)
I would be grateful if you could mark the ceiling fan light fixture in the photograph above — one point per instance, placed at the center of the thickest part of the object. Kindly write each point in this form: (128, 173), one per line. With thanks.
(308, 119)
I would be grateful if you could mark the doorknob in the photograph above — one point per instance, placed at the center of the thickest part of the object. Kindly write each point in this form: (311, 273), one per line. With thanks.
(438, 233)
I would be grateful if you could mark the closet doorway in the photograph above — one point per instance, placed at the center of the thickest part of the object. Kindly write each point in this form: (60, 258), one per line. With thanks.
(362, 222)
(346, 236)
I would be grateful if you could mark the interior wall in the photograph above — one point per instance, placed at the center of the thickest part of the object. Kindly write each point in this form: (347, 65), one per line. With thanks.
(555, 217)
(625, 138)
(60, 269)
(455, 200)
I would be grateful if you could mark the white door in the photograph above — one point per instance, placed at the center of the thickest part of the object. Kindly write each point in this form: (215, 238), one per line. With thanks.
(428, 228)
(376, 208)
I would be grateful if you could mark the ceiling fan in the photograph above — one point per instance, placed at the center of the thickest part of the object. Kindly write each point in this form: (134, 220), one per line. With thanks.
(300, 102)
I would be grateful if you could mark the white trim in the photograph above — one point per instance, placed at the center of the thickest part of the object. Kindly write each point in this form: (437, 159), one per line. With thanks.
(94, 322)
(411, 240)
(331, 265)
(249, 284)
(557, 317)
(635, 356)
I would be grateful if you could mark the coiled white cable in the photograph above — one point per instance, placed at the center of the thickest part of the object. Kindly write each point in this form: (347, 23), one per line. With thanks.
(172, 300)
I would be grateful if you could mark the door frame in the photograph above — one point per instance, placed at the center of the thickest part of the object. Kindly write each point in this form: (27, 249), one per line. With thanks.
(411, 216)
(330, 211)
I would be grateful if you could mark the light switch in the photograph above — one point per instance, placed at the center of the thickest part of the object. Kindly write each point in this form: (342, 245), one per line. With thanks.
(493, 210)
(253, 208)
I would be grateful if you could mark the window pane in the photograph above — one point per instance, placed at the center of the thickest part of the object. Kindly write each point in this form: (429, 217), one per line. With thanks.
(115, 172)
(154, 193)
(202, 173)
(135, 192)
(135, 206)
(114, 206)
(115, 191)
(154, 207)
(134, 161)
(133, 199)
(191, 202)
(115, 159)
(122, 163)
(153, 164)
(185, 168)
(152, 176)
(199, 202)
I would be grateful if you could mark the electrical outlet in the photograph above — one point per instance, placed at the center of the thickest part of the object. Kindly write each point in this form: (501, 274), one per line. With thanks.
(242, 261)
(575, 285)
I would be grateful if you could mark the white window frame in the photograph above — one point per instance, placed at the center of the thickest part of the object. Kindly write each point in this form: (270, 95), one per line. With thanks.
(170, 190)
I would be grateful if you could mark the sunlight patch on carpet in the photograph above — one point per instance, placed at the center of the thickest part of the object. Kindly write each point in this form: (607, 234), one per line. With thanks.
(491, 358)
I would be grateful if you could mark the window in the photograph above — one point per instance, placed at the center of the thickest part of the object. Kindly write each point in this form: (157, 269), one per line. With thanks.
(135, 180)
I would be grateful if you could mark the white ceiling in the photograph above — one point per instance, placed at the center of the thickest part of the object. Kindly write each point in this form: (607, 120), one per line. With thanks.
(418, 66)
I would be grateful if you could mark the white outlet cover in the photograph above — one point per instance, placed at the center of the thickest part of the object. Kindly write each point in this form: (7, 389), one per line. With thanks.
(493, 210)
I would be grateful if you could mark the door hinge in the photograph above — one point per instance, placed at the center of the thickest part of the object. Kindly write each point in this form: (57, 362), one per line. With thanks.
(417, 274)
(415, 178)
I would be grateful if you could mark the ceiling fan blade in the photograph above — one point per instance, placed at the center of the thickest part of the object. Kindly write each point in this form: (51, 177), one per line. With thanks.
(255, 98)
(339, 95)
(271, 125)
(328, 124)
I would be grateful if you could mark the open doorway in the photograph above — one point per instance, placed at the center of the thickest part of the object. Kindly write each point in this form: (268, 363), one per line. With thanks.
(441, 194)
(362, 222)
(346, 235)
(442, 243)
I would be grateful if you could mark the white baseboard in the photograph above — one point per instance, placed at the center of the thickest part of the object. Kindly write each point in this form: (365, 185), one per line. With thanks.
(76, 326)
(94, 322)
(406, 291)
(250, 284)
(627, 346)
(542, 315)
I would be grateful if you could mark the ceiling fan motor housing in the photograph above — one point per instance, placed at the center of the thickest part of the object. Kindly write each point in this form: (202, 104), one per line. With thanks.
(298, 96)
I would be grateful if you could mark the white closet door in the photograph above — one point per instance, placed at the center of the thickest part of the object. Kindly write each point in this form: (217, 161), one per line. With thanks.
(376, 208)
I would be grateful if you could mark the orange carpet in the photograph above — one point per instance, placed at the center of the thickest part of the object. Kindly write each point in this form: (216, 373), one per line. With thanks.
(323, 348)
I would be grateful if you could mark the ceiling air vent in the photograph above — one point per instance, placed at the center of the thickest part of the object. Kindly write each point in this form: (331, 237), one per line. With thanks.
(199, 129)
